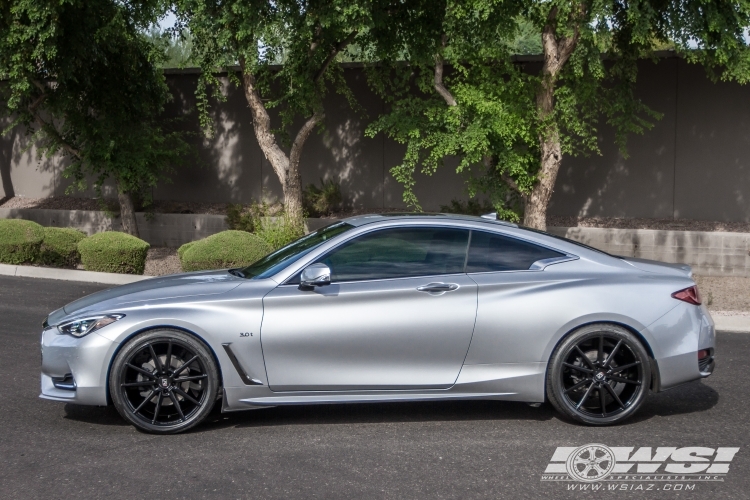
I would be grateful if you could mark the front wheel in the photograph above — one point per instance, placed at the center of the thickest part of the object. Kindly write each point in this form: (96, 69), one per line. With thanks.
(598, 375)
(164, 381)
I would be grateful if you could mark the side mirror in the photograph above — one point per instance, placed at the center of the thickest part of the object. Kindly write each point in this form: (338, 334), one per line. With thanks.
(315, 275)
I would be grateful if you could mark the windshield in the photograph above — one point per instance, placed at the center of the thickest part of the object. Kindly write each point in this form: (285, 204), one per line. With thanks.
(278, 260)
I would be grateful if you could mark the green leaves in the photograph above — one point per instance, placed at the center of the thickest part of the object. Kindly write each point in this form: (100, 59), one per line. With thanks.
(502, 115)
(84, 79)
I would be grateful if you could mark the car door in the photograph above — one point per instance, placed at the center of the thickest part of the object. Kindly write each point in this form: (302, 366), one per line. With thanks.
(398, 314)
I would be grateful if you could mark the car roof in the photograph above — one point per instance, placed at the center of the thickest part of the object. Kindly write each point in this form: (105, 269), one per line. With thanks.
(361, 220)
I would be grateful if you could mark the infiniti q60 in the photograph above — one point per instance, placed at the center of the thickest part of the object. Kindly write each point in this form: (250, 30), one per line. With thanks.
(387, 308)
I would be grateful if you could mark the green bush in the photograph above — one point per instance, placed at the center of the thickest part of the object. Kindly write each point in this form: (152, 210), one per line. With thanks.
(222, 250)
(280, 231)
(60, 247)
(113, 252)
(20, 241)
(183, 249)
(323, 200)
(246, 219)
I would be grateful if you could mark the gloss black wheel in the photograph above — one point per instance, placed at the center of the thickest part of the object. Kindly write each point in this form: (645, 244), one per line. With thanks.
(599, 375)
(164, 381)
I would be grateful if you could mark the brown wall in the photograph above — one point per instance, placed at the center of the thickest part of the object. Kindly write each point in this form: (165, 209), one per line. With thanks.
(692, 164)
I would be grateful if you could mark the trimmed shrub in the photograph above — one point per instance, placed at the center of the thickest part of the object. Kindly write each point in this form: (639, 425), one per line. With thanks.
(20, 241)
(183, 249)
(60, 247)
(222, 250)
(113, 252)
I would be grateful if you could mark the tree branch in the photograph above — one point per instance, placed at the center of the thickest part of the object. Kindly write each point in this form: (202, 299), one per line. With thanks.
(332, 55)
(513, 185)
(262, 125)
(49, 127)
(439, 86)
(299, 141)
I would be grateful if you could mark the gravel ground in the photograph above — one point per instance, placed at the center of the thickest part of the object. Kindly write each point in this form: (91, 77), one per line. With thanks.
(161, 261)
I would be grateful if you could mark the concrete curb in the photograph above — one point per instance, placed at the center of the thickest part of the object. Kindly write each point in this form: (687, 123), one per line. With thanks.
(732, 324)
(69, 275)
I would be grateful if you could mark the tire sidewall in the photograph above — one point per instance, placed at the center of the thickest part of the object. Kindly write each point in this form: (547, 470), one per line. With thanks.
(137, 342)
(554, 379)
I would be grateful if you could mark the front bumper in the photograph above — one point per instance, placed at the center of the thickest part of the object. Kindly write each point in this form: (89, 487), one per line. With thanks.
(75, 369)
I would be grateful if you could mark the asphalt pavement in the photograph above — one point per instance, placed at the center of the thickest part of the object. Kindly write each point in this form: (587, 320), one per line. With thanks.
(475, 449)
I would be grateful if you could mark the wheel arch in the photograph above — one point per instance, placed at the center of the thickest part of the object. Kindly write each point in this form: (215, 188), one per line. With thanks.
(151, 328)
(654, 383)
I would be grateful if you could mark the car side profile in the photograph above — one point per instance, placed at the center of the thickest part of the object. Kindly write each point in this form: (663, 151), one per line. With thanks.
(398, 307)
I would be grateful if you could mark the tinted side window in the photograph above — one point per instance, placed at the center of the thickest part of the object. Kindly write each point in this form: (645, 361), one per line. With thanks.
(491, 252)
(399, 253)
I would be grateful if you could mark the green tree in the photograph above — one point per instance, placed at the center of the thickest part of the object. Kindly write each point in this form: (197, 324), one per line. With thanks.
(287, 53)
(83, 81)
(510, 125)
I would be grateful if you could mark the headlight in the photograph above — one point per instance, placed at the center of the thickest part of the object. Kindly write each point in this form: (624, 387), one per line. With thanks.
(84, 326)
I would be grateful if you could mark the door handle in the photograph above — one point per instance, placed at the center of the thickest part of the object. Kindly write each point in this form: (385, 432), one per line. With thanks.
(438, 287)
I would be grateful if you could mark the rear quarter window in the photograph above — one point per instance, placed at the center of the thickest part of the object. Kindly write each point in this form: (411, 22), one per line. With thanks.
(490, 252)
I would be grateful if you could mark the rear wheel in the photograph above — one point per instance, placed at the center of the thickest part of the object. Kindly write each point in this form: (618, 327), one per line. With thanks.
(598, 375)
(164, 381)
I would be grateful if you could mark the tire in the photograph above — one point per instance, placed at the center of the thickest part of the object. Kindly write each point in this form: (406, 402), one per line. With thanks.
(164, 381)
(589, 385)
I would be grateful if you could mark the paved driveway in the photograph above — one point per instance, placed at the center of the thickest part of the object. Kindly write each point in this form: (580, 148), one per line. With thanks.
(420, 450)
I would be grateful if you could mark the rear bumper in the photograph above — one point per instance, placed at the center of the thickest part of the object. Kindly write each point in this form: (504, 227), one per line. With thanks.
(676, 339)
(75, 370)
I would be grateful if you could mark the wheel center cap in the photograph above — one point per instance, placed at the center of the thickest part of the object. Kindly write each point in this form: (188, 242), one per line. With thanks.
(164, 382)
(599, 376)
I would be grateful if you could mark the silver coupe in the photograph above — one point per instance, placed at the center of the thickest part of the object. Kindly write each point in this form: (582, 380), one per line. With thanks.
(387, 308)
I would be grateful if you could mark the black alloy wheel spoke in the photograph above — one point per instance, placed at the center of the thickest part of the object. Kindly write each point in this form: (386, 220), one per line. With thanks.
(578, 368)
(602, 403)
(176, 404)
(183, 366)
(158, 408)
(141, 370)
(146, 400)
(613, 394)
(600, 352)
(190, 378)
(138, 384)
(576, 386)
(157, 361)
(168, 360)
(625, 367)
(585, 358)
(186, 396)
(585, 396)
(612, 354)
(623, 380)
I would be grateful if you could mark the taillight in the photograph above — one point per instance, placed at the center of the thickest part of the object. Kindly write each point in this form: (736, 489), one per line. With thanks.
(690, 295)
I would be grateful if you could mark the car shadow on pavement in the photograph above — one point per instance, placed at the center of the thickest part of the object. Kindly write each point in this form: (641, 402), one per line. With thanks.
(356, 413)
(99, 415)
(693, 397)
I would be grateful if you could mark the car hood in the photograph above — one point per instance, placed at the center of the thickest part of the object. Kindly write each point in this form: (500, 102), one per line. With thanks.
(654, 266)
(160, 288)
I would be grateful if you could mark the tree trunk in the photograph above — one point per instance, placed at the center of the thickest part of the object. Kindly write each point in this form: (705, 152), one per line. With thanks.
(285, 167)
(557, 51)
(127, 213)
